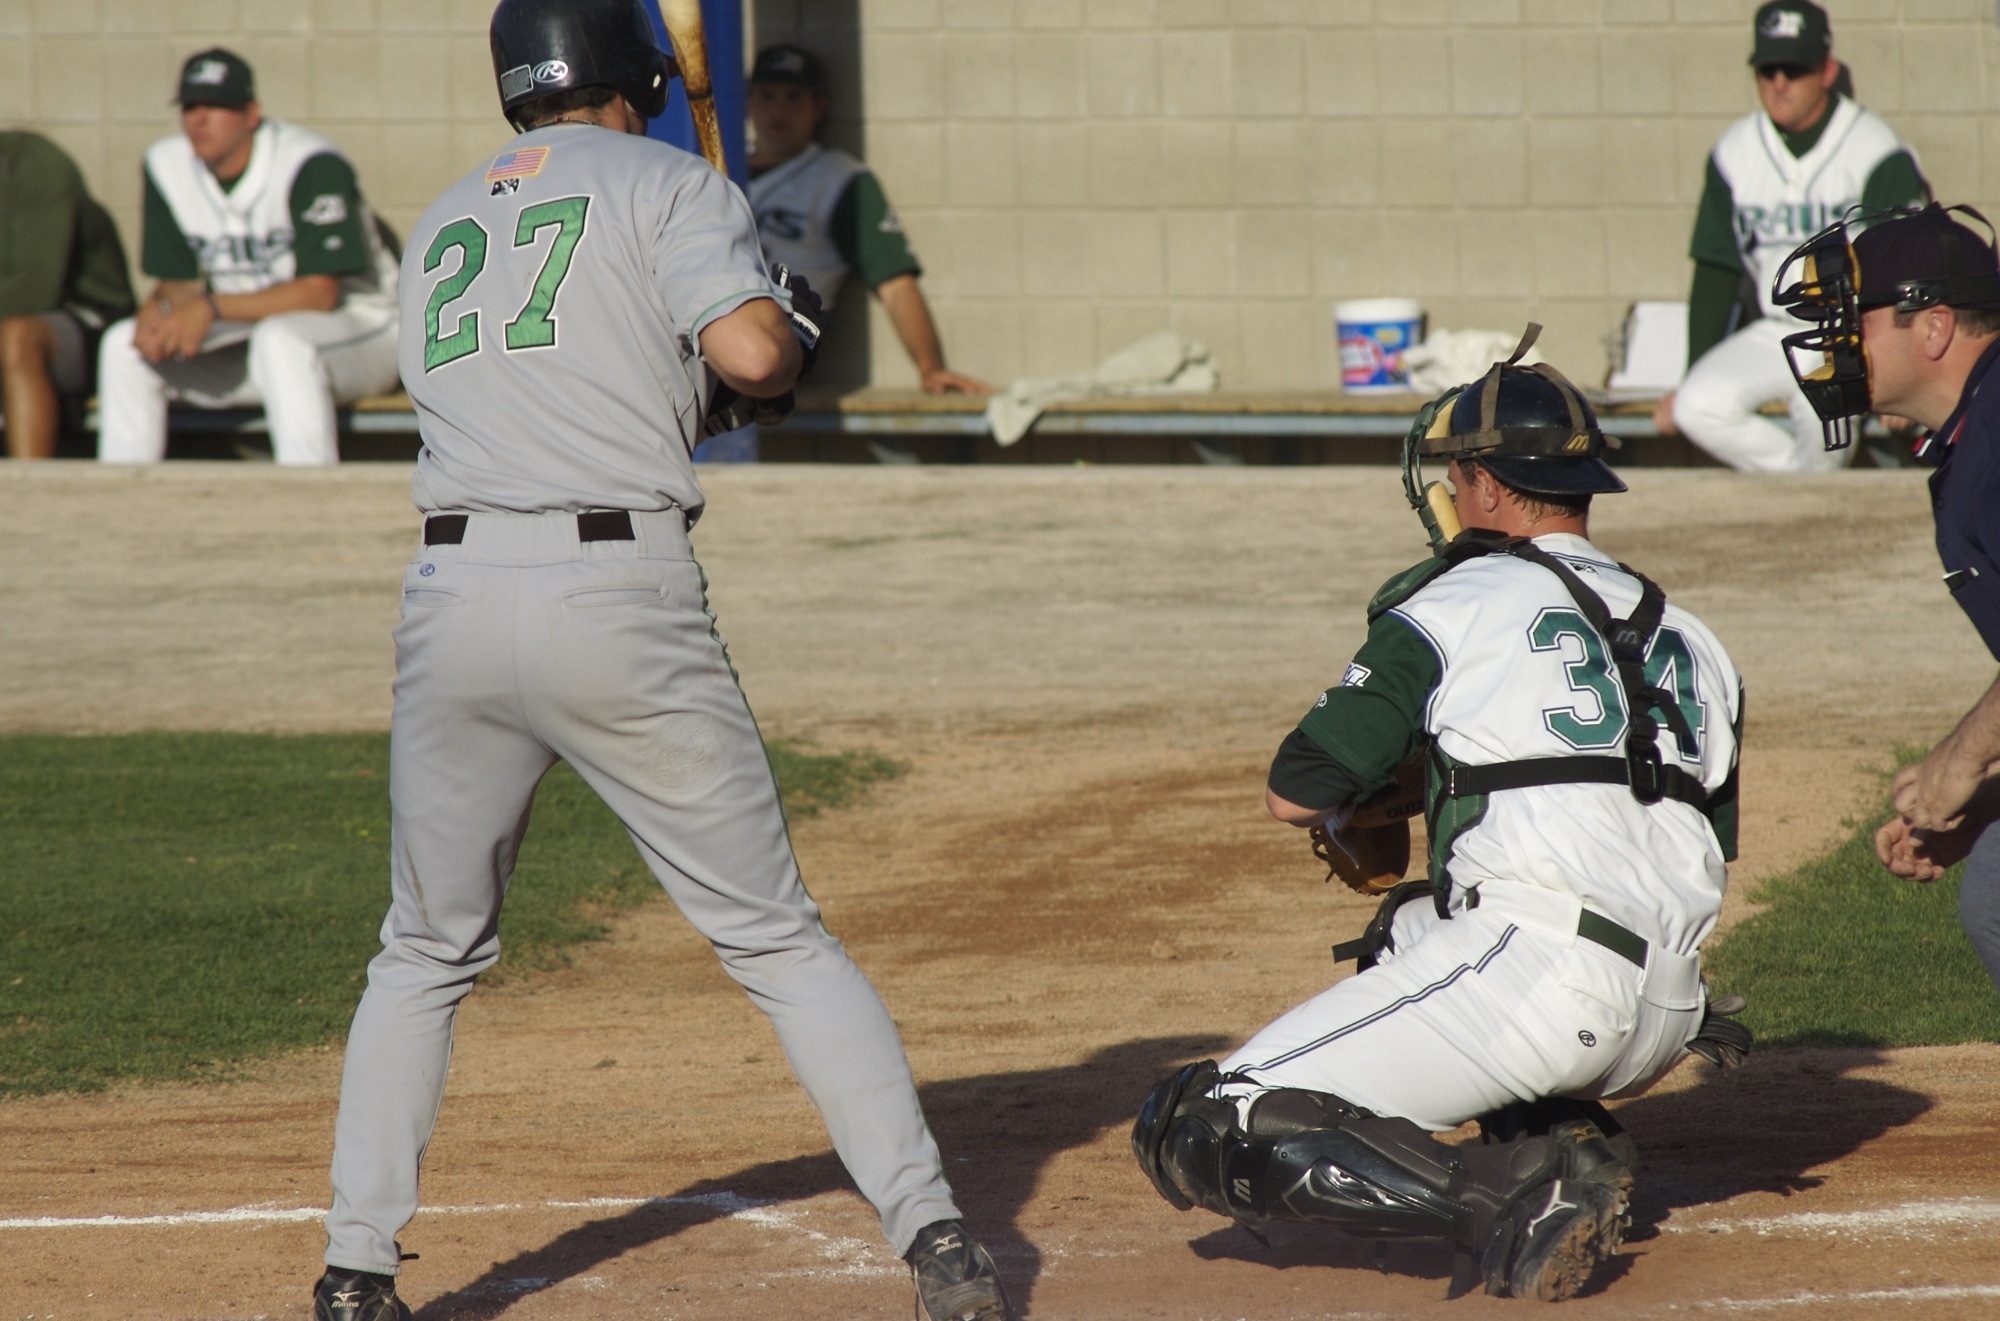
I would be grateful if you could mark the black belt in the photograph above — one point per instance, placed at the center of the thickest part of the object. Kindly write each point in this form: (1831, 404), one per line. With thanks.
(1594, 927)
(597, 525)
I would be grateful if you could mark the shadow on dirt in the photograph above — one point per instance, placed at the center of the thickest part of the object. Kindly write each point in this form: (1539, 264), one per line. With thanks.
(1760, 1128)
(1030, 1117)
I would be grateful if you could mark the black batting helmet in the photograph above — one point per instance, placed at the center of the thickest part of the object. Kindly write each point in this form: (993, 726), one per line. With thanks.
(1529, 427)
(545, 46)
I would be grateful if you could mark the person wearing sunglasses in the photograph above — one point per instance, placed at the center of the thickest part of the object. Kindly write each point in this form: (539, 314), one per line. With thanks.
(1777, 176)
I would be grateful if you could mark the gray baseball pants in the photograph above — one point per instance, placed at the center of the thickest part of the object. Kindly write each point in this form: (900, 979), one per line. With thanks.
(1979, 900)
(525, 645)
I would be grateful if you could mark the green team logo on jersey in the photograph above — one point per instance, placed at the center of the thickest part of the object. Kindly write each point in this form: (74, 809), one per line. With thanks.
(1598, 720)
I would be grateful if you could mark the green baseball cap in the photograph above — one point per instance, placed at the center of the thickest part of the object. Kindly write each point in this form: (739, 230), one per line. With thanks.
(1792, 32)
(217, 77)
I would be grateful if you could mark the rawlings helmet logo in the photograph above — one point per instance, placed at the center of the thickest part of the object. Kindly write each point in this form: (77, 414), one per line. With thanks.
(551, 71)
(1784, 24)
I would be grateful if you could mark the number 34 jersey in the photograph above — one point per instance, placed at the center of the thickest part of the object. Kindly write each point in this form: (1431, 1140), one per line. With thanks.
(1495, 662)
(553, 301)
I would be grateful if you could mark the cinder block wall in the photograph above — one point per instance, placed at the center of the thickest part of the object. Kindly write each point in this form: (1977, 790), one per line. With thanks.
(1076, 173)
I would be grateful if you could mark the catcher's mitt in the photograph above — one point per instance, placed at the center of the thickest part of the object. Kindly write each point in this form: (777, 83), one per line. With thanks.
(1372, 851)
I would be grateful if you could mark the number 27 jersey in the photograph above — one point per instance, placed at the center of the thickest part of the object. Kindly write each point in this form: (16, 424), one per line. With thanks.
(552, 305)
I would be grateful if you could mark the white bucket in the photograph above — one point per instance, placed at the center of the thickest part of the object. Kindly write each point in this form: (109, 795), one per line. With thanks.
(1373, 334)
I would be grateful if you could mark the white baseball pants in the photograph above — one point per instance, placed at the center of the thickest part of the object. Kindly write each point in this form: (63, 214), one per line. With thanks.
(524, 645)
(298, 365)
(1500, 1003)
(1716, 406)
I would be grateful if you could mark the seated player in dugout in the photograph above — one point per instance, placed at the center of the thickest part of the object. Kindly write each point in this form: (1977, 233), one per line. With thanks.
(1575, 739)
(62, 280)
(822, 213)
(1776, 176)
(276, 283)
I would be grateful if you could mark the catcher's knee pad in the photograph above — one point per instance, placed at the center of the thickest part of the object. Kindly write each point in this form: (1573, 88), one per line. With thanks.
(1180, 1136)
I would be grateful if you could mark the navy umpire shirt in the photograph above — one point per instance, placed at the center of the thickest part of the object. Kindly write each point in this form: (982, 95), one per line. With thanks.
(1965, 497)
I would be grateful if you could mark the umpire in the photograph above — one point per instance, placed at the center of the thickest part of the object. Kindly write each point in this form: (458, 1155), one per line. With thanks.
(1930, 320)
(578, 304)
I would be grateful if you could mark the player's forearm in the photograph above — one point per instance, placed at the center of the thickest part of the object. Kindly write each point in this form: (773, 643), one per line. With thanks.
(904, 301)
(753, 349)
(308, 293)
(1975, 744)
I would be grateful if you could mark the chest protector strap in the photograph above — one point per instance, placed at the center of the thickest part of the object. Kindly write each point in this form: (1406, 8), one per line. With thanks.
(1640, 769)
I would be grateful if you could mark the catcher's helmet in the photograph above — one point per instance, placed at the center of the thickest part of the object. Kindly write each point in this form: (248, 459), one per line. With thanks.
(1528, 426)
(546, 46)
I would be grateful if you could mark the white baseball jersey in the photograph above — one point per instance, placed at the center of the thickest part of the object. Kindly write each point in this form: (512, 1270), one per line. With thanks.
(794, 204)
(1522, 674)
(243, 236)
(1782, 200)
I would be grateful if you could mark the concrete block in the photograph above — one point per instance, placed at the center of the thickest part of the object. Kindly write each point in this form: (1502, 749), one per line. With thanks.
(982, 255)
(1058, 337)
(117, 185)
(1347, 256)
(1128, 251)
(417, 164)
(1050, 13)
(979, 75)
(16, 18)
(1495, 256)
(1694, 140)
(1126, 321)
(980, 166)
(343, 16)
(346, 77)
(17, 82)
(1641, 165)
(982, 338)
(1048, 75)
(1950, 148)
(1122, 72)
(1565, 162)
(1343, 13)
(275, 16)
(993, 15)
(1489, 12)
(1217, 325)
(1341, 73)
(1649, 258)
(1562, 13)
(66, 17)
(1271, 77)
(416, 77)
(1125, 164)
(1195, 14)
(1416, 162)
(472, 93)
(1413, 72)
(1198, 165)
(1876, 63)
(1419, 254)
(1057, 256)
(1121, 13)
(908, 158)
(1418, 13)
(1635, 78)
(1569, 248)
(132, 18)
(1201, 254)
(1271, 156)
(1274, 253)
(1197, 74)
(1942, 71)
(1343, 164)
(1486, 72)
(1055, 161)
(1710, 76)
(69, 82)
(1279, 344)
(1489, 162)
(905, 75)
(416, 16)
(1648, 12)
(876, 15)
(1560, 71)
(139, 75)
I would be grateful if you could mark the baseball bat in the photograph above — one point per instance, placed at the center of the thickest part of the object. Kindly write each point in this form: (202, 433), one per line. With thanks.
(690, 42)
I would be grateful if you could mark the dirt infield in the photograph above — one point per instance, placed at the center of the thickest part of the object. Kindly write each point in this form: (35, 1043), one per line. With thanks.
(1073, 889)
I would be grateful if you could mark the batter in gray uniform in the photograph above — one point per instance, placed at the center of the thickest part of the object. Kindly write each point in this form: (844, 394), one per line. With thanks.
(570, 306)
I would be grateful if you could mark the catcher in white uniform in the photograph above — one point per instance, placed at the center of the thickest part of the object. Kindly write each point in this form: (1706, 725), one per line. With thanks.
(1776, 177)
(275, 284)
(1578, 736)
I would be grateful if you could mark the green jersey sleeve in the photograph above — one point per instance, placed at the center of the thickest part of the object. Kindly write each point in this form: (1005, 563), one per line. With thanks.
(1373, 720)
(164, 253)
(327, 215)
(1894, 184)
(868, 235)
(40, 193)
(1711, 301)
(1714, 238)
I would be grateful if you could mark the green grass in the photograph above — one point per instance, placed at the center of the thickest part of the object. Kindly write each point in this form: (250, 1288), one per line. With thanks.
(172, 905)
(1849, 955)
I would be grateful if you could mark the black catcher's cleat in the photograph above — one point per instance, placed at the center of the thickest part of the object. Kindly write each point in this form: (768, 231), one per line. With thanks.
(956, 1279)
(357, 1296)
(1552, 1238)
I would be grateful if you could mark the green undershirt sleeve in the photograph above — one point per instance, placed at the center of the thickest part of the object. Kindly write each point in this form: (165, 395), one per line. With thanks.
(164, 253)
(1711, 299)
(1351, 742)
(868, 235)
(1894, 184)
(327, 238)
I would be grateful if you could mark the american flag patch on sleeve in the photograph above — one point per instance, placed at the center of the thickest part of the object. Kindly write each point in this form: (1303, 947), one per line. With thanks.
(519, 163)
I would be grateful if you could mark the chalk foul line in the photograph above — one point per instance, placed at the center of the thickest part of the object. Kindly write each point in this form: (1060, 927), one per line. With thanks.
(728, 1204)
